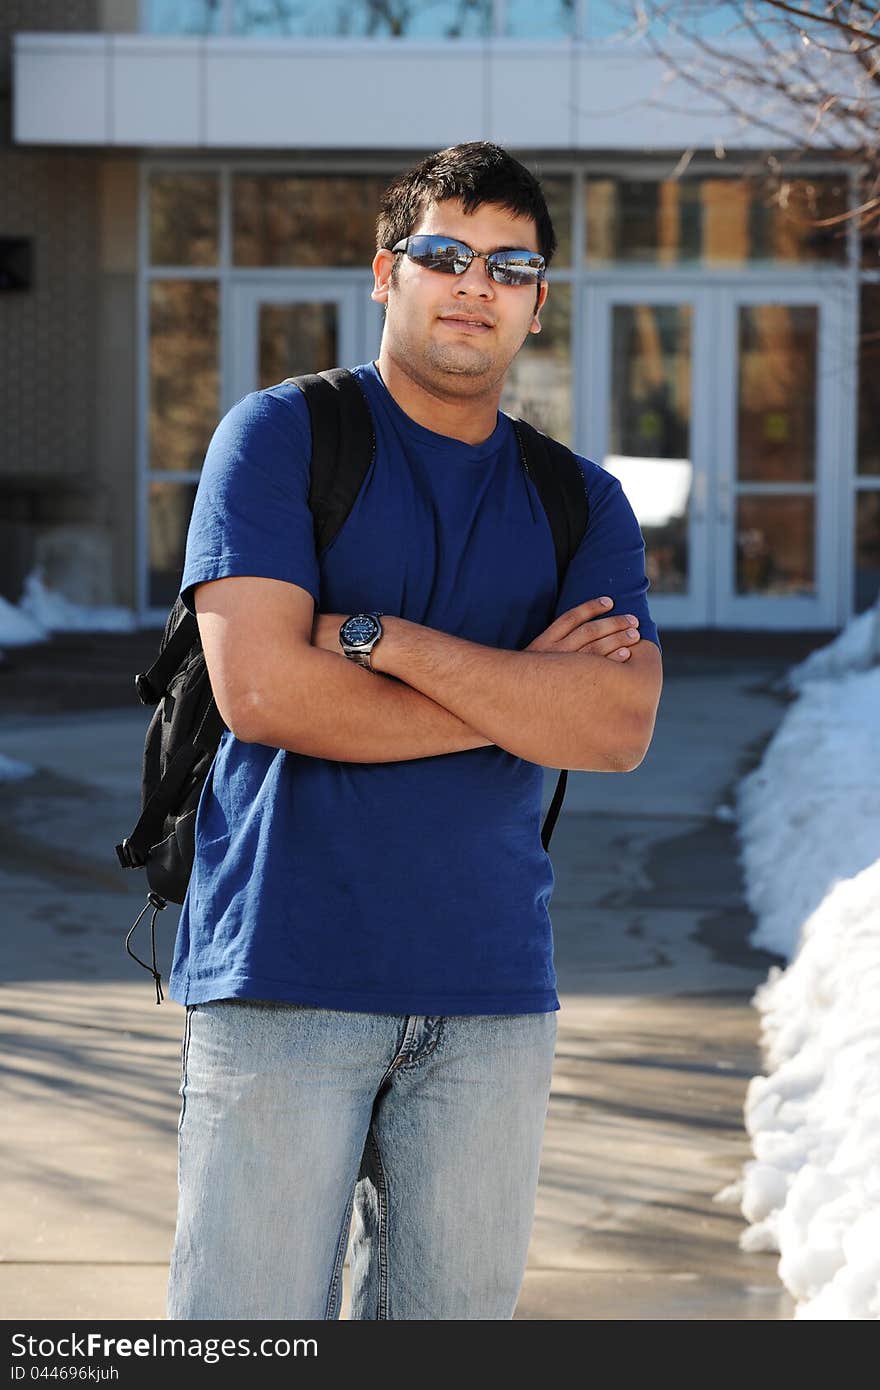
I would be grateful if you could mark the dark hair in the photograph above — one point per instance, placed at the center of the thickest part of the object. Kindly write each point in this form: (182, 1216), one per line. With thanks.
(474, 173)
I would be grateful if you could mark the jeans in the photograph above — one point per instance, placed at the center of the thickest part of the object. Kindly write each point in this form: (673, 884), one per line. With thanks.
(292, 1118)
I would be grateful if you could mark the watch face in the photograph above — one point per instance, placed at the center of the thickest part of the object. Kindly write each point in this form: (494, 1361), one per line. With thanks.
(360, 630)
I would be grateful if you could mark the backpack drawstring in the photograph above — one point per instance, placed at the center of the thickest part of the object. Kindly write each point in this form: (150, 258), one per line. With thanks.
(158, 903)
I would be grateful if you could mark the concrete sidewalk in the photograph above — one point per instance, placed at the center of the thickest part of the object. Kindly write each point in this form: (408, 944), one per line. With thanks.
(657, 1037)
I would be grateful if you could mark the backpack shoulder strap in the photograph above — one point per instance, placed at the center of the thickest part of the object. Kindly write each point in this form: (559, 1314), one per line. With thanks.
(181, 635)
(559, 481)
(343, 445)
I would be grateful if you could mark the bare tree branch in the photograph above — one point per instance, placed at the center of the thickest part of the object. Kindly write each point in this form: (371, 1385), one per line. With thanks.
(829, 17)
(806, 76)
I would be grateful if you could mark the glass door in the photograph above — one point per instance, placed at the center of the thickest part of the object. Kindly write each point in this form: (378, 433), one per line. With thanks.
(648, 421)
(714, 406)
(779, 355)
(279, 329)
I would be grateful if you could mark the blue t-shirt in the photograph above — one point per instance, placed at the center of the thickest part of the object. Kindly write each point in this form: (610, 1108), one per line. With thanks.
(402, 887)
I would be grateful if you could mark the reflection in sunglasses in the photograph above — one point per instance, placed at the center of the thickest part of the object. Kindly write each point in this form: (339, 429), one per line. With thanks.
(508, 266)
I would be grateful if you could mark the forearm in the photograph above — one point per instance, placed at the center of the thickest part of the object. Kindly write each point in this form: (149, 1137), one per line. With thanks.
(324, 705)
(559, 709)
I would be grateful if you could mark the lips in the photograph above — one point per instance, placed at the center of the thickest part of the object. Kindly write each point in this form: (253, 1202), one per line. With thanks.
(463, 321)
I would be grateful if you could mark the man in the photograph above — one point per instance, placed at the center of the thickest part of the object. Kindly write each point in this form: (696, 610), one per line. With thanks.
(365, 953)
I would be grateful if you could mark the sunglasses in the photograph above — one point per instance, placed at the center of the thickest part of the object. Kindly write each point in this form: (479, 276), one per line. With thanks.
(452, 257)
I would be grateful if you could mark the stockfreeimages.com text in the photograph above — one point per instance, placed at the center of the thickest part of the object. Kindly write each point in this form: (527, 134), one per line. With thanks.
(208, 1349)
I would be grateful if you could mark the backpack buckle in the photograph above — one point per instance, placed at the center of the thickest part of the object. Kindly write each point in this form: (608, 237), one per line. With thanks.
(127, 856)
(147, 693)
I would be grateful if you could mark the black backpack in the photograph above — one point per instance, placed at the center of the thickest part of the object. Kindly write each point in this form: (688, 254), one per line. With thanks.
(185, 731)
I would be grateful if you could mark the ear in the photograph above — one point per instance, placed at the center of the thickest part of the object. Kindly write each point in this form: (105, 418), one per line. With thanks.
(543, 289)
(383, 264)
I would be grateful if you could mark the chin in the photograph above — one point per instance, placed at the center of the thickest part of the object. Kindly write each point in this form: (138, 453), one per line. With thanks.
(459, 362)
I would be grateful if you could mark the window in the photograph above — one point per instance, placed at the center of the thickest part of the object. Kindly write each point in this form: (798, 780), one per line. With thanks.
(305, 219)
(317, 19)
(713, 221)
(184, 211)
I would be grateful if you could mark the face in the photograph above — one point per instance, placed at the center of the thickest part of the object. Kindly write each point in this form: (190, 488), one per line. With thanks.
(421, 333)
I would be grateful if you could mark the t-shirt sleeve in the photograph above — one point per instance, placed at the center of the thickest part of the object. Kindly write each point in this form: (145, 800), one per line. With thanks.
(251, 514)
(611, 556)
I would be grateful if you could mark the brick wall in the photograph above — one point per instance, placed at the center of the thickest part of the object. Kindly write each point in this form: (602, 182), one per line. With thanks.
(59, 458)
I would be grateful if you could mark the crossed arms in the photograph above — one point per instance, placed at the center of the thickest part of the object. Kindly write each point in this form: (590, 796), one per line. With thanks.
(280, 678)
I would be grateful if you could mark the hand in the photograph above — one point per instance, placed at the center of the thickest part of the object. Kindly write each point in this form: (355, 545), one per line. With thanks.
(582, 629)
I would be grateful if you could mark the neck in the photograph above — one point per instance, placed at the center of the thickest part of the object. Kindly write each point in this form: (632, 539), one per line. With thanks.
(470, 421)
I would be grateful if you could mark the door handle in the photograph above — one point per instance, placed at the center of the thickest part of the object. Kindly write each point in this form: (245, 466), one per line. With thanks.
(700, 488)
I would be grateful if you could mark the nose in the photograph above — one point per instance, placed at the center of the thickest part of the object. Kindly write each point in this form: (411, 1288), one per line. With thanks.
(476, 279)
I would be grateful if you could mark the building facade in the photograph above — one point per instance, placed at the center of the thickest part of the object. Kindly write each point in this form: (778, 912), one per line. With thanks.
(191, 193)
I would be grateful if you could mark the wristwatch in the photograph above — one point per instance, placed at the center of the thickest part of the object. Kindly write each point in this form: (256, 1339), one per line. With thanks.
(359, 635)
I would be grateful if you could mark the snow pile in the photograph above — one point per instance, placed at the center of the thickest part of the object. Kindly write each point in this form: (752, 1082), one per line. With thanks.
(16, 628)
(51, 611)
(813, 1189)
(810, 813)
(809, 825)
(856, 648)
(42, 611)
(11, 770)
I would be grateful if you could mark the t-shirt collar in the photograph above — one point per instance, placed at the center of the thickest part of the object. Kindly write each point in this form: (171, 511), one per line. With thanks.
(425, 438)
